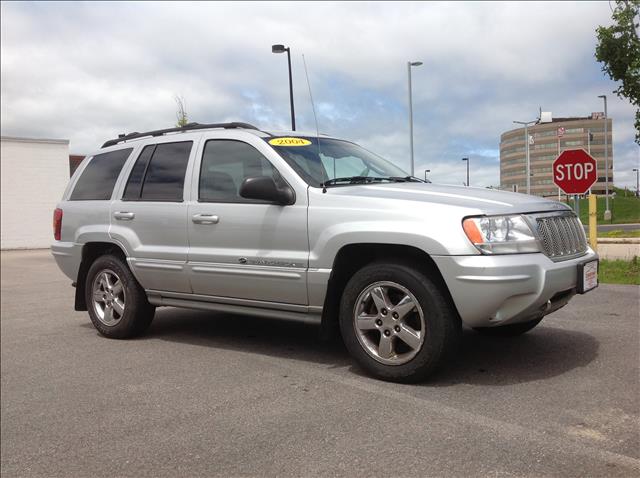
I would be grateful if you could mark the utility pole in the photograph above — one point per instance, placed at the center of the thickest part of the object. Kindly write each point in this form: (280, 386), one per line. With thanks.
(283, 49)
(467, 160)
(409, 65)
(607, 211)
(526, 145)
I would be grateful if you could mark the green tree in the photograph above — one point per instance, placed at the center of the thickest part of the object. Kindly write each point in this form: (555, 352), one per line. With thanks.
(181, 114)
(618, 50)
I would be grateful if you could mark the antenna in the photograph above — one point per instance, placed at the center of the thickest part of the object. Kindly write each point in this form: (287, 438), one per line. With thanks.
(315, 117)
(313, 106)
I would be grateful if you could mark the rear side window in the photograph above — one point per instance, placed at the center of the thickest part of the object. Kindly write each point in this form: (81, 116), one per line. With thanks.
(100, 176)
(158, 174)
(134, 185)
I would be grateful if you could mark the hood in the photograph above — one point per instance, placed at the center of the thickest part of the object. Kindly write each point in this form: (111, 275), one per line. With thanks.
(485, 201)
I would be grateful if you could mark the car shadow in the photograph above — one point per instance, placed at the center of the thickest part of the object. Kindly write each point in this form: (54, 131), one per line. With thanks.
(542, 353)
(271, 337)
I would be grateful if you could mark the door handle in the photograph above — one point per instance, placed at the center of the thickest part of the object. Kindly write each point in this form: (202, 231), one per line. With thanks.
(206, 219)
(124, 215)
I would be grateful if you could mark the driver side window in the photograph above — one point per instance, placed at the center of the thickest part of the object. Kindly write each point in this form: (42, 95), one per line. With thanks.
(225, 165)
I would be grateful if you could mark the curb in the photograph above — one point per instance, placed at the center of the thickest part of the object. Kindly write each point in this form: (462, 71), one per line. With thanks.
(619, 240)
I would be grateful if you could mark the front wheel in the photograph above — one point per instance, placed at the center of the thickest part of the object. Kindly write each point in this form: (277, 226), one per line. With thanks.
(117, 304)
(396, 322)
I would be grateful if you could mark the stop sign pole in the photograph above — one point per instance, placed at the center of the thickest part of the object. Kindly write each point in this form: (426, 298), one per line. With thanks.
(575, 171)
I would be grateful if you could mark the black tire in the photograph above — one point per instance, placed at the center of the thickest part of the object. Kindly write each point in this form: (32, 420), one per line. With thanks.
(511, 330)
(442, 325)
(138, 312)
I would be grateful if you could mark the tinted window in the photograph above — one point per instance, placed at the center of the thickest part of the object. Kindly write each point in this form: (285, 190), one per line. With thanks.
(164, 179)
(225, 165)
(100, 175)
(134, 184)
(158, 174)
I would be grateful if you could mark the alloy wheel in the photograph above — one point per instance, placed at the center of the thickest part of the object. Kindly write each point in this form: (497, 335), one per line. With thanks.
(108, 297)
(389, 323)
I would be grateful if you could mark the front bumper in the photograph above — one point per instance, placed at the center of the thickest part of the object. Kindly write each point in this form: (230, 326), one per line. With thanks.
(506, 289)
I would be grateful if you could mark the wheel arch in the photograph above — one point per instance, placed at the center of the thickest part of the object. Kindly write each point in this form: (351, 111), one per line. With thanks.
(352, 257)
(90, 252)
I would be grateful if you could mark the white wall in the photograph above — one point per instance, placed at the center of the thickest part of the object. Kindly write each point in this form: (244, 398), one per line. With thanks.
(34, 174)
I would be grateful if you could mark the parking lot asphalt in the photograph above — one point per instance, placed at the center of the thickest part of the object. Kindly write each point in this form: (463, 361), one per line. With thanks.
(206, 394)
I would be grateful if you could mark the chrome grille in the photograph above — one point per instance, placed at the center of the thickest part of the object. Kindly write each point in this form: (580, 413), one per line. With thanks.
(562, 236)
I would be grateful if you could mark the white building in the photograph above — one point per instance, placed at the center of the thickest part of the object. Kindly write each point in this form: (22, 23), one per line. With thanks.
(34, 174)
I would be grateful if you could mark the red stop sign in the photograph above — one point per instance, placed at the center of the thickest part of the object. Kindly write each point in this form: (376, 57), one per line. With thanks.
(574, 171)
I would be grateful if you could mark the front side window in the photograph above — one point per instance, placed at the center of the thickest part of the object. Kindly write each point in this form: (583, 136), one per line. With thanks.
(225, 165)
(158, 174)
(318, 160)
(100, 176)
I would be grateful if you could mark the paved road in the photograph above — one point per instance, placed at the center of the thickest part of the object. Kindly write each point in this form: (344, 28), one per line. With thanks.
(214, 395)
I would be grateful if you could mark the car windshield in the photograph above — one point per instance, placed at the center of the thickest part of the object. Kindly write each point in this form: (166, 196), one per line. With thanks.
(322, 161)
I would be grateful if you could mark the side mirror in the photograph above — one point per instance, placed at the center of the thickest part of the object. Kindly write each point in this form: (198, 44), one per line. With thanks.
(264, 188)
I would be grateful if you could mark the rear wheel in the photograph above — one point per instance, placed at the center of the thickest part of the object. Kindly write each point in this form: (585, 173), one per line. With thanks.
(116, 302)
(396, 322)
(511, 330)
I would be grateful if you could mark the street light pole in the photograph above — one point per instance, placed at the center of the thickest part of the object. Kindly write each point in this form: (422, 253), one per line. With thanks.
(607, 211)
(409, 65)
(428, 171)
(637, 171)
(526, 146)
(467, 160)
(282, 49)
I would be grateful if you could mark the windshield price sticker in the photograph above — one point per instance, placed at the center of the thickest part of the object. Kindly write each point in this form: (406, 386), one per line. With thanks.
(289, 142)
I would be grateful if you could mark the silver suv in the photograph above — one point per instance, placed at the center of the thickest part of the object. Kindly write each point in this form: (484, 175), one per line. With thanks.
(229, 218)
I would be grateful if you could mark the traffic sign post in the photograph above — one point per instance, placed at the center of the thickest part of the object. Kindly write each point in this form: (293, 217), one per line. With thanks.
(575, 171)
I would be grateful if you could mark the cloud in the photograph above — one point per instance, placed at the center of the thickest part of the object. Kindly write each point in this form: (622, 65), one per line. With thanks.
(88, 71)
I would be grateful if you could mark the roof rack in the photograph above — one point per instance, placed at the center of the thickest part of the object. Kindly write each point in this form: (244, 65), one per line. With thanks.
(188, 127)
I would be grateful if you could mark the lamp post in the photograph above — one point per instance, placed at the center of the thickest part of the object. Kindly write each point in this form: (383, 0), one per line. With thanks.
(409, 65)
(282, 49)
(526, 146)
(428, 171)
(607, 211)
(637, 171)
(467, 160)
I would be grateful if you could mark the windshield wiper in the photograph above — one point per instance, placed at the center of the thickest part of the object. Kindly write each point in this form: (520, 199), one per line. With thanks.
(346, 179)
(367, 179)
(405, 179)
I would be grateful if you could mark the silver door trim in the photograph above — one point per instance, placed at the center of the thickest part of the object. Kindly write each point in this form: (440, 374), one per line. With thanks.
(160, 295)
(247, 272)
(167, 266)
(304, 317)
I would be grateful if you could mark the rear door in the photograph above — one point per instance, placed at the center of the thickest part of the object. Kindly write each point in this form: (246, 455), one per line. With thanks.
(150, 217)
(240, 248)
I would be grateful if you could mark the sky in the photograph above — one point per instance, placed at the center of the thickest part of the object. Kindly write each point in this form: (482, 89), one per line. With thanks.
(89, 71)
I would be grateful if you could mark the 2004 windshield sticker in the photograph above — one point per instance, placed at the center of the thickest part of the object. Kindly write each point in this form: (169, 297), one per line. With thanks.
(289, 142)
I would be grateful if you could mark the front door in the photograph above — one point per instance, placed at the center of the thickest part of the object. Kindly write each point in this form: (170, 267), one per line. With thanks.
(241, 248)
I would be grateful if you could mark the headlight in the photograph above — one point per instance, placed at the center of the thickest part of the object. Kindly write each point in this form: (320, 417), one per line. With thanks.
(500, 234)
